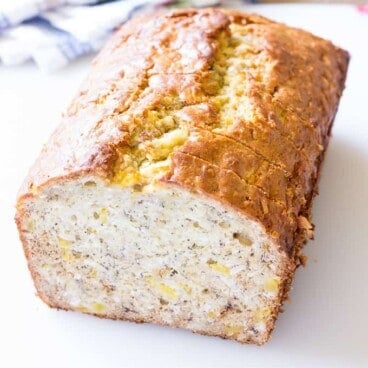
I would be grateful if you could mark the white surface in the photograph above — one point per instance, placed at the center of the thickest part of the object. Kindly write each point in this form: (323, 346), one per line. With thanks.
(326, 322)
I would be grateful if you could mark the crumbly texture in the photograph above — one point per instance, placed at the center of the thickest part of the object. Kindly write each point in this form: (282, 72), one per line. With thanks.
(178, 186)
(115, 253)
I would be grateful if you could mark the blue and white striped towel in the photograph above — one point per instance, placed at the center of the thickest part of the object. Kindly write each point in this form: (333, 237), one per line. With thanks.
(54, 32)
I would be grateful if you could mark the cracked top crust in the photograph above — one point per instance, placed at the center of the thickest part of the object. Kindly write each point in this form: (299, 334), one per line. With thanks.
(232, 105)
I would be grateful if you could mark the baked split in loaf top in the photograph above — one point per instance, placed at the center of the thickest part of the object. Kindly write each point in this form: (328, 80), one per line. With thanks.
(178, 186)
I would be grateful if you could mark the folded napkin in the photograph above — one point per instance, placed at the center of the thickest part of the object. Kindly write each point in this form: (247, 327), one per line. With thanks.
(54, 32)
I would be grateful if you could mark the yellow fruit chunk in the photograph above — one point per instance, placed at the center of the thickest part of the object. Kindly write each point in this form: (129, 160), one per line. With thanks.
(161, 287)
(66, 254)
(165, 289)
(271, 285)
(218, 267)
(64, 243)
(92, 273)
(103, 215)
(98, 307)
(262, 314)
(233, 329)
(211, 314)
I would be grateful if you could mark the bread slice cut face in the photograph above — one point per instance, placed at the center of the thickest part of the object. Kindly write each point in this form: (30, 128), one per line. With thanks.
(165, 255)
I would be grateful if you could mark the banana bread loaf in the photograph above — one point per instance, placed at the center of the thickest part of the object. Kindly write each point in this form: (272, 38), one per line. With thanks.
(177, 188)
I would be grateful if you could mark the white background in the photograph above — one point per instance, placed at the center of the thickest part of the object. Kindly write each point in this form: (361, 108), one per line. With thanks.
(326, 322)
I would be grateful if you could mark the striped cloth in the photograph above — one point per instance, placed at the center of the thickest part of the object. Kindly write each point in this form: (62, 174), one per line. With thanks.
(52, 33)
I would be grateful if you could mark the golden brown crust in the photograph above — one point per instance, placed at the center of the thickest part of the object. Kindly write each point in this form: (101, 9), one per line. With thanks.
(307, 77)
(229, 154)
(265, 167)
(126, 78)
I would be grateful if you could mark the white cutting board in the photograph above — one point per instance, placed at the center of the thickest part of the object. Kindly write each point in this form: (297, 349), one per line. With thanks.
(325, 323)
